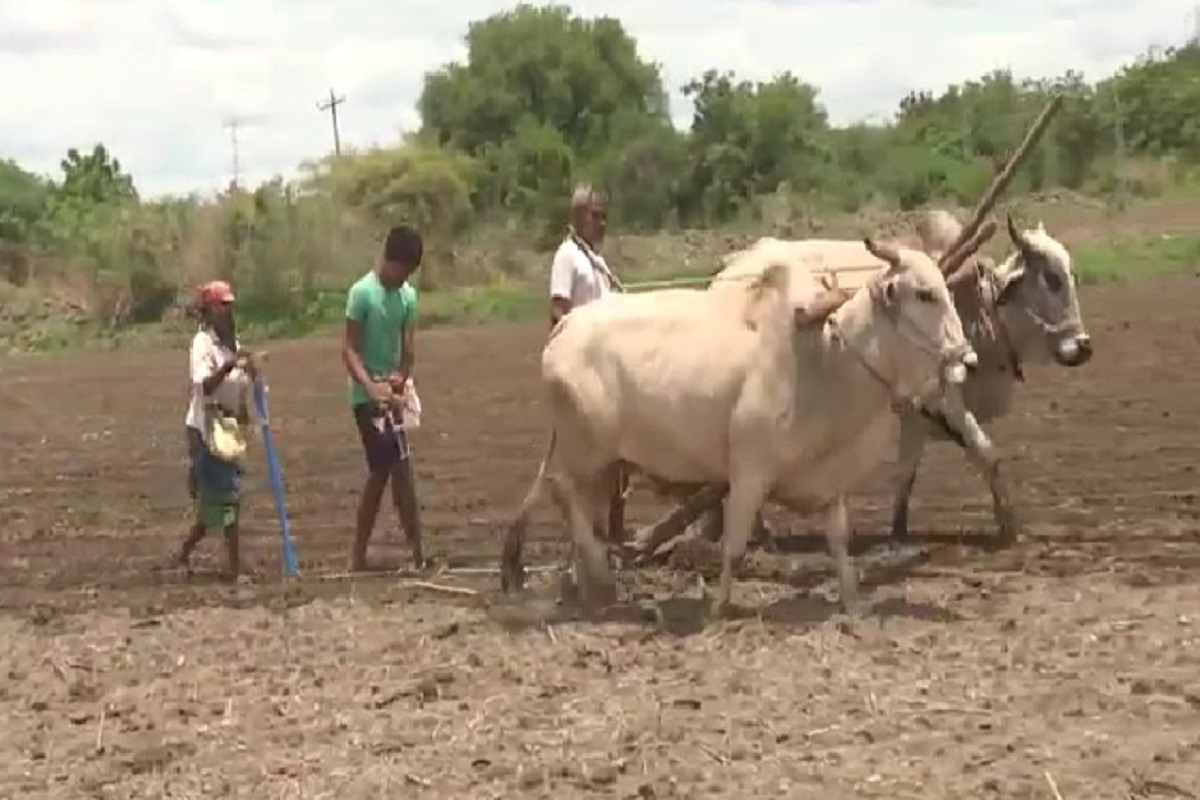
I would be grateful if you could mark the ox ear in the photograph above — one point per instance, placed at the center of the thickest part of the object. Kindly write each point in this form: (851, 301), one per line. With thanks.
(763, 292)
(883, 251)
(821, 308)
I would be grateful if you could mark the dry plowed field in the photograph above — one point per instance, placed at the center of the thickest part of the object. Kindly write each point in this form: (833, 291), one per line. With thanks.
(1072, 659)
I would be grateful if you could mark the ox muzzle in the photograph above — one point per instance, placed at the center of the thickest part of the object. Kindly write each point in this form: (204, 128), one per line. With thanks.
(1073, 351)
(957, 363)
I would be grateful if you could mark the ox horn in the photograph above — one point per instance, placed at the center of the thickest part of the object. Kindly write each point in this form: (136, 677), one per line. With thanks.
(1018, 237)
(882, 251)
(957, 264)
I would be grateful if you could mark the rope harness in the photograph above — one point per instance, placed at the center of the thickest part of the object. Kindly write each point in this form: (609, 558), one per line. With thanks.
(988, 291)
(905, 328)
(599, 266)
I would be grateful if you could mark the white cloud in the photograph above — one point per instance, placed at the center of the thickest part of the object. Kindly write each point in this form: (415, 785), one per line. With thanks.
(155, 79)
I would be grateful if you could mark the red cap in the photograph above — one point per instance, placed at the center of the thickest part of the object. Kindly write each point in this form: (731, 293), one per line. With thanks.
(216, 293)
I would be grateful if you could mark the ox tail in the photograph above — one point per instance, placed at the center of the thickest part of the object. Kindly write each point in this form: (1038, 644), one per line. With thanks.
(512, 568)
(539, 481)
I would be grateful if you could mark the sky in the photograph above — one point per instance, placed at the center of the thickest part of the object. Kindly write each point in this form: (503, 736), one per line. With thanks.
(155, 80)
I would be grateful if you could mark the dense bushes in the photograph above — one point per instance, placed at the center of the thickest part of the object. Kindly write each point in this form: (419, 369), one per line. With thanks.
(545, 99)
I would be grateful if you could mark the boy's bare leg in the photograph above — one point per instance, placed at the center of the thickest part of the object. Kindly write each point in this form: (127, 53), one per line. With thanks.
(232, 548)
(368, 510)
(183, 559)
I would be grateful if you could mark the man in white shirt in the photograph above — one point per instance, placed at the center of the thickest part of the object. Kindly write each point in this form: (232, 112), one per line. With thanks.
(579, 275)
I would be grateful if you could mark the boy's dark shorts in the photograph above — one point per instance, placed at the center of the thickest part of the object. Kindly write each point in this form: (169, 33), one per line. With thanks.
(383, 445)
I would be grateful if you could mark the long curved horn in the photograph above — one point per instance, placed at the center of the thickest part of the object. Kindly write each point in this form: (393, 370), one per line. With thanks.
(882, 251)
(957, 265)
(1018, 238)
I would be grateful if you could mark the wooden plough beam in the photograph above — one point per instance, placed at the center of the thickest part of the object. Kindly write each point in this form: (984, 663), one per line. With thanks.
(657, 540)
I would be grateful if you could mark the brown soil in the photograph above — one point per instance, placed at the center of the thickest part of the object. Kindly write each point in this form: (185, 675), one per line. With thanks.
(1073, 657)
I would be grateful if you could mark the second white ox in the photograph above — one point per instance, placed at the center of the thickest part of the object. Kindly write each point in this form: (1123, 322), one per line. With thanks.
(739, 387)
(1024, 309)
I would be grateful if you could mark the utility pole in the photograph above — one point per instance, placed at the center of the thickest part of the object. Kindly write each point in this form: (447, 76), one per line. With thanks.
(233, 124)
(331, 105)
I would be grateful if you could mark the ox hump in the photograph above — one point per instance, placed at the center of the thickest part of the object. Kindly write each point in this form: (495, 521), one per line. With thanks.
(764, 292)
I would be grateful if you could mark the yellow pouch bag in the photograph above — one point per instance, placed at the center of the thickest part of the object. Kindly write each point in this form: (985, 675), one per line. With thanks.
(226, 439)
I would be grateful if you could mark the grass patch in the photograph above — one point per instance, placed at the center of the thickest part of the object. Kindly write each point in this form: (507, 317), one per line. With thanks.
(1135, 258)
(510, 302)
(482, 304)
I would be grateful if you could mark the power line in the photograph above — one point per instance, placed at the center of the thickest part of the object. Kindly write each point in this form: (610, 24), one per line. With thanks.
(331, 105)
(233, 124)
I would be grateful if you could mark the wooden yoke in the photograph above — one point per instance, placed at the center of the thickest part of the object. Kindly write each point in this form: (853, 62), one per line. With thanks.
(834, 297)
(955, 263)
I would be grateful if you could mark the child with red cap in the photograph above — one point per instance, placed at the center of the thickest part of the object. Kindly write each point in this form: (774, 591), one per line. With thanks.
(220, 376)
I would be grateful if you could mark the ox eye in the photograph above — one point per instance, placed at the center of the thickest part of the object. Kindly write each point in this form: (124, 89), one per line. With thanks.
(926, 296)
(1053, 281)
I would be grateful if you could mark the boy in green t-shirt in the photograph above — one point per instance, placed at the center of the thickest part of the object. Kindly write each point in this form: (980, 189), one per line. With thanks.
(377, 349)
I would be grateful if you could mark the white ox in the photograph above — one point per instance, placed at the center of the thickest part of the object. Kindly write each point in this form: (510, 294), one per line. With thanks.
(737, 387)
(1024, 309)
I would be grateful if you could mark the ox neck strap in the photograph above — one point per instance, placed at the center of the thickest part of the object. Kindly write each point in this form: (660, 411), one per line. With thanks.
(898, 403)
(902, 327)
(993, 318)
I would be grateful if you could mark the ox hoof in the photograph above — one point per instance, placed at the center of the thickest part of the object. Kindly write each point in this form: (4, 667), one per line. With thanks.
(1009, 530)
(1008, 538)
(568, 590)
(597, 585)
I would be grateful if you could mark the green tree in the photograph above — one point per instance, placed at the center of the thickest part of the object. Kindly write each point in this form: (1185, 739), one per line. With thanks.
(543, 94)
(644, 173)
(1159, 96)
(23, 197)
(95, 177)
(748, 139)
